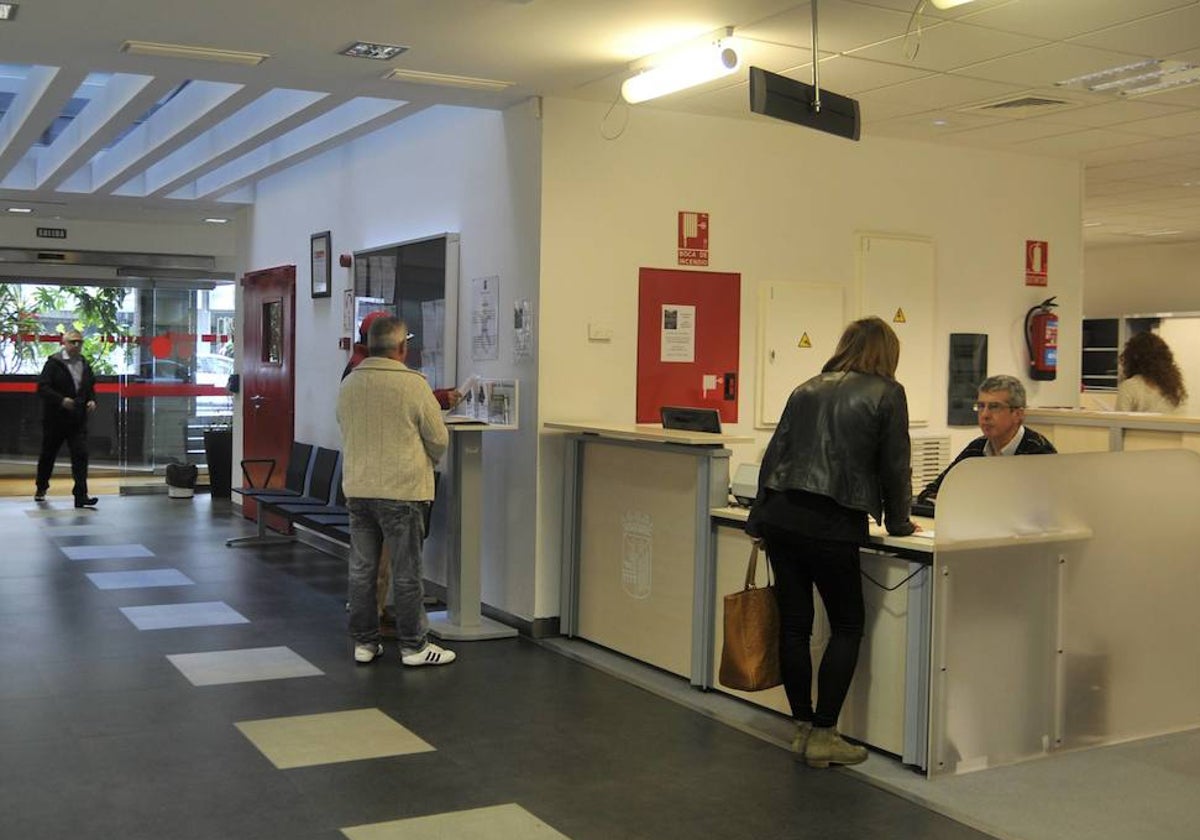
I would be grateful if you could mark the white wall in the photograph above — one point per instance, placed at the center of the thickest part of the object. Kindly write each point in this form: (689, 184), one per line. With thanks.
(443, 170)
(1131, 279)
(785, 204)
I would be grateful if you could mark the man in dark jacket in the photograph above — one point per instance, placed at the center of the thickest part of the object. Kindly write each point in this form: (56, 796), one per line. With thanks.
(1001, 410)
(68, 391)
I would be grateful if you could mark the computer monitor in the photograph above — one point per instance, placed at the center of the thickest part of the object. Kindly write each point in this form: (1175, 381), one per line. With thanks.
(690, 419)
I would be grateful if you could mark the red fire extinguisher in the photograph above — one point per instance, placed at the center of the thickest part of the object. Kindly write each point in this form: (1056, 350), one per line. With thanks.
(1041, 340)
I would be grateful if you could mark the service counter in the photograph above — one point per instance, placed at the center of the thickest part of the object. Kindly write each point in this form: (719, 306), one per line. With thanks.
(1054, 607)
(1078, 430)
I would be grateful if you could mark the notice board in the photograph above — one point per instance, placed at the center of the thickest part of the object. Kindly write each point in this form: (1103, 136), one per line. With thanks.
(689, 328)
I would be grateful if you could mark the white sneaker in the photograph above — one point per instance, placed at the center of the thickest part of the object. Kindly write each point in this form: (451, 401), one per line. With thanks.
(365, 654)
(431, 654)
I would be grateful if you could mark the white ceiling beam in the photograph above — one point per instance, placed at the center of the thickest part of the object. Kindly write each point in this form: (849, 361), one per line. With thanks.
(350, 119)
(269, 116)
(38, 103)
(124, 99)
(194, 110)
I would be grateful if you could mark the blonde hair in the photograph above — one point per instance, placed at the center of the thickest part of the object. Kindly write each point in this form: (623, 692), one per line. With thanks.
(867, 345)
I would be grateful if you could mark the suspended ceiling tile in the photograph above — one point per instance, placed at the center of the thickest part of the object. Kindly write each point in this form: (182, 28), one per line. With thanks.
(850, 76)
(1133, 170)
(841, 26)
(1071, 145)
(949, 46)
(1007, 133)
(1112, 113)
(1047, 65)
(946, 91)
(1062, 19)
(1155, 35)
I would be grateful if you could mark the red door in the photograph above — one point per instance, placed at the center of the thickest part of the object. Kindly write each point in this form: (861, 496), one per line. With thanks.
(268, 368)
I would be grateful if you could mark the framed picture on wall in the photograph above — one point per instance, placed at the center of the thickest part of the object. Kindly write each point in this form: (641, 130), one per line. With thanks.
(321, 267)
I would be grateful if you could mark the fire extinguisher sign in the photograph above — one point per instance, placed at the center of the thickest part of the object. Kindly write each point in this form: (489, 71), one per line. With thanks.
(693, 238)
(1036, 259)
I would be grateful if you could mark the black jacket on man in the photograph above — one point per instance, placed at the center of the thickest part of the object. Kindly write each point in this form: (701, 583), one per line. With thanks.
(56, 383)
(844, 435)
(1033, 443)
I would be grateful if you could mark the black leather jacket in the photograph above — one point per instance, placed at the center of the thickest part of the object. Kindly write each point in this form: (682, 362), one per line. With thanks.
(844, 435)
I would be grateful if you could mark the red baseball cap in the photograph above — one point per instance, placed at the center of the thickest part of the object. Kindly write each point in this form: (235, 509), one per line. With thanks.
(370, 318)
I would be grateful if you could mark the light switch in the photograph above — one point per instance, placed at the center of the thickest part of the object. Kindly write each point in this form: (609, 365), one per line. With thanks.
(599, 332)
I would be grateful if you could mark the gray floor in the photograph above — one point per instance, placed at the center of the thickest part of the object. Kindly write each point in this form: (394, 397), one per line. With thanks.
(1141, 790)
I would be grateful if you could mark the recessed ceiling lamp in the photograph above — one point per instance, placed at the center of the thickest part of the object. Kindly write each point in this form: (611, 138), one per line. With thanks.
(216, 221)
(1137, 79)
(421, 77)
(949, 4)
(377, 52)
(1163, 232)
(20, 209)
(685, 67)
(198, 53)
(8, 11)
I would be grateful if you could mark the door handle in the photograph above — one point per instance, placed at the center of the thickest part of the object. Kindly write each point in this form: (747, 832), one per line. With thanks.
(257, 400)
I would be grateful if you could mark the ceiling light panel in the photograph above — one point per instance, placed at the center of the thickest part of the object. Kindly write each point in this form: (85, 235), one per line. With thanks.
(420, 77)
(8, 11)
(193, 52)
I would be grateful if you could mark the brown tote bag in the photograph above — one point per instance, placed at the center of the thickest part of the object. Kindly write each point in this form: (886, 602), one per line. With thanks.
(750, 655)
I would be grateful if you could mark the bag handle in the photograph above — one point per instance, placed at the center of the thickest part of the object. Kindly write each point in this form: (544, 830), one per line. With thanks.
(752, 567)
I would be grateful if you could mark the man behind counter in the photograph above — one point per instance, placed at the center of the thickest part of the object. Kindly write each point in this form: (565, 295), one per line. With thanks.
(1001, 410)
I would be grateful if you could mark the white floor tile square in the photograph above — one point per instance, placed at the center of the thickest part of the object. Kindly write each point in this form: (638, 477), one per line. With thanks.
(105, 552)
(494, 823)
(220, 667)
(308, 740)
(199, 614)
(142, 579)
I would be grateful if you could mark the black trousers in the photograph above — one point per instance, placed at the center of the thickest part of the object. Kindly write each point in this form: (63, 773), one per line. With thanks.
(833, 567)
(53, 437)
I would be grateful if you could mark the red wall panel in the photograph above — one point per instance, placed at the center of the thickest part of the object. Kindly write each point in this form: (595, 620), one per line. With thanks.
(717, 299)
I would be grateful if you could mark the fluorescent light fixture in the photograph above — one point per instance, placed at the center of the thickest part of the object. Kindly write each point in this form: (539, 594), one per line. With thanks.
(376, 52)
(948, 4)
(683, 68)
(199, 53)
(216, 221)
(8, 11)
(420, 77)
(1092, 224)
(1137, 79)
(1161, 232)
(20, 209)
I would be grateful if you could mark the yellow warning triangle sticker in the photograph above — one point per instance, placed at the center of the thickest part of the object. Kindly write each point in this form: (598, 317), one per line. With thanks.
(899, 319)
(805, 341)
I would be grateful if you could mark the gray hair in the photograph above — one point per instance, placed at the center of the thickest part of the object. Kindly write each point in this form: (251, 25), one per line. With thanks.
(1003, 382)
(386, 335)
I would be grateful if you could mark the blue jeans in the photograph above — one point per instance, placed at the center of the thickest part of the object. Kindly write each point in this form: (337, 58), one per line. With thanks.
(394, 530)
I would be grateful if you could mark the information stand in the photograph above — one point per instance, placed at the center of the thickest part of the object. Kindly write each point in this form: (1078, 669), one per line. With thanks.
(463, 619)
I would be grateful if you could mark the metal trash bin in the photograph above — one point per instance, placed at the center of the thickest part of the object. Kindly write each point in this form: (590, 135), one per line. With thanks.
(181, 480)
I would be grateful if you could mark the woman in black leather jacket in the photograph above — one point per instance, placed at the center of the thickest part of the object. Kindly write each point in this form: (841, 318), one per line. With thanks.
(839, 453)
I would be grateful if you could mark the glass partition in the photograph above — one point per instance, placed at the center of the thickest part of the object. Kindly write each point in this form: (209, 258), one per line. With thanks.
(1064, 604)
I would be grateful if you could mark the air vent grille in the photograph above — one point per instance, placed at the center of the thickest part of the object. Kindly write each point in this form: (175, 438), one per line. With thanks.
(930, 455)
(1023, 102)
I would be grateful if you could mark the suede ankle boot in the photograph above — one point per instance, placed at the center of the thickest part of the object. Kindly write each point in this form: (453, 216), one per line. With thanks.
(825, 746)
(800, 741)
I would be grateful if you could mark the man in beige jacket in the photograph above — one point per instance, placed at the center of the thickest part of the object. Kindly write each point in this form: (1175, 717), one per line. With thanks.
(392, 435)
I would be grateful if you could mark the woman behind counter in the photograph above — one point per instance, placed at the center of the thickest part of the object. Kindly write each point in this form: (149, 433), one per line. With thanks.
(1152, 380)
(839, 453)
